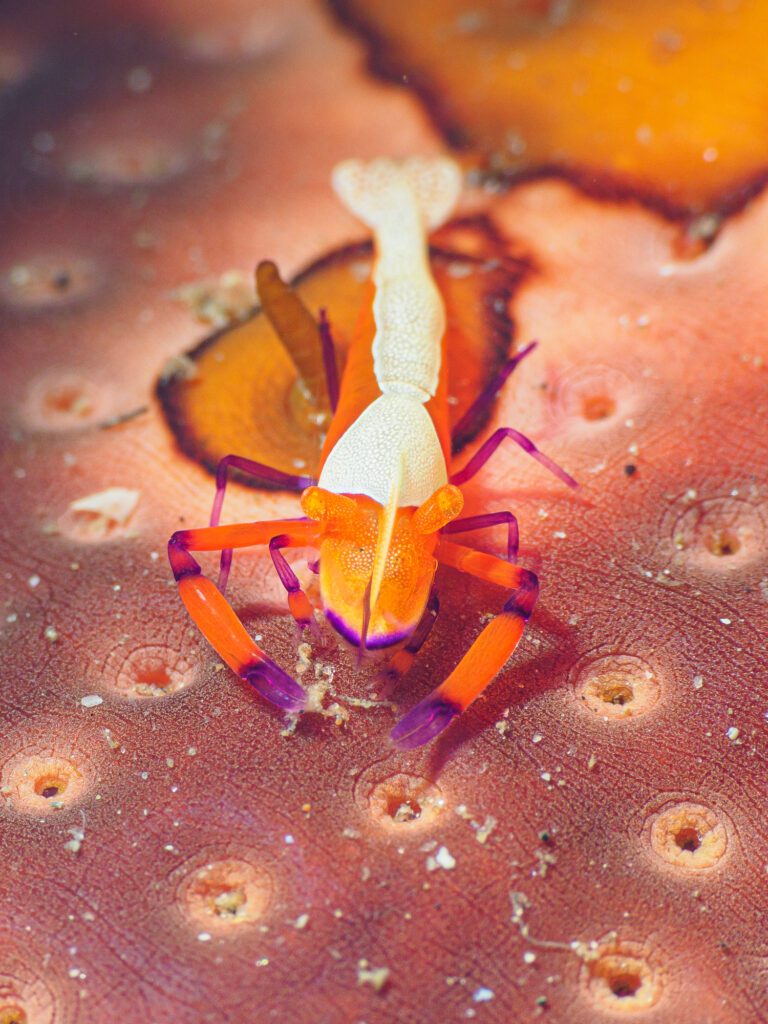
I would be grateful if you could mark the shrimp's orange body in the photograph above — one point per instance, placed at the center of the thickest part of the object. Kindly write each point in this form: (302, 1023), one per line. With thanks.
(384, 498)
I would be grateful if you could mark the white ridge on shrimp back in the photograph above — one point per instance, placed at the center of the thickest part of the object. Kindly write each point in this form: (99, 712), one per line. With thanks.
(401, 203)
(394, 441)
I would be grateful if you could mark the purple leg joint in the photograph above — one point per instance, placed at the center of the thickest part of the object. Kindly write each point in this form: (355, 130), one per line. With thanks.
(423, 723)
(261, 472)
(482, 522)
(290, 580)
(487, 449)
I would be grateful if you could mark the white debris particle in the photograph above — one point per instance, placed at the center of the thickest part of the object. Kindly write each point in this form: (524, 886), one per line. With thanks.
(179, 367)
(376, 977)
(537, 737)
(591, 762)
(289, 840)
(726, 621)
(442, 859)
(91, 700)
(698, 682)
(51, 634)
(110, 739)
(732, 733)
(482, 995)
(33, 581)
(203, 936)
(546, 776)
(74, 844)
(218, 301)
(529, 957)
(301, 922)
(191, 751)
(482, 832)
(106, 510)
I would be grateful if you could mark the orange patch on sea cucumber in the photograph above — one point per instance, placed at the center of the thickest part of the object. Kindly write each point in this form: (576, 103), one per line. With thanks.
(619, 96)
(236, 391)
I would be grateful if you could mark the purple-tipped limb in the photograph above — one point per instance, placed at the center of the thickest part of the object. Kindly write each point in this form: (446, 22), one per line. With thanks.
(269, 475)
(298, 602)
(329, 360)
(423, 723)
(482, 522)
(276, 686)
(487, 449)
(489, 393)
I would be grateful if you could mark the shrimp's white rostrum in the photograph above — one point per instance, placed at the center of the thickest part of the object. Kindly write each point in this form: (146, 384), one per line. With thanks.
(385, 498)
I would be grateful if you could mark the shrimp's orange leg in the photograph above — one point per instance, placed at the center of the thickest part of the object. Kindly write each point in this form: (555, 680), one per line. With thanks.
(402, 660)
(215, 617)
(487, 654)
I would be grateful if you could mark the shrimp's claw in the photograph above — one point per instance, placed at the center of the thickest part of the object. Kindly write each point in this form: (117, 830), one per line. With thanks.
(424, 722)
(487, 655)
(276, 686)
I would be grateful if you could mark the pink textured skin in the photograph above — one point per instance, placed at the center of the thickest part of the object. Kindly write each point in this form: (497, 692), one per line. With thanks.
(672, 350)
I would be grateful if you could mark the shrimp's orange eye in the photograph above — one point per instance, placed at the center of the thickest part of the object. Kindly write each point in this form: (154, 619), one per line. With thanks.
(326, 507)
(440, 508)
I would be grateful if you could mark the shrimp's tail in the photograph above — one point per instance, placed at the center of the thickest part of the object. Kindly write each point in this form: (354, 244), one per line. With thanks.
(374, 191)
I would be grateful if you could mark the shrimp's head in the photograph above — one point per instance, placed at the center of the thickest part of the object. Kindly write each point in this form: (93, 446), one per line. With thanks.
(377, 563)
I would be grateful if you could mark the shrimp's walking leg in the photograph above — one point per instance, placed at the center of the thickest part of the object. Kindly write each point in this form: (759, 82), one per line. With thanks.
(482, 522)
(298, 602)
(488, 394)
(261, 472)
(215, 617)
(487, 449)
(401, 661)
(329, 360)
(485, 657)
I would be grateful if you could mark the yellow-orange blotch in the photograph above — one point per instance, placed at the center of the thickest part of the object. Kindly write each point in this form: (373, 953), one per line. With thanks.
(665, 99)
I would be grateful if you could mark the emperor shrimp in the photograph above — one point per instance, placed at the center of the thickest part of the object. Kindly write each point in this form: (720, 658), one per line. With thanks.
(387, 497)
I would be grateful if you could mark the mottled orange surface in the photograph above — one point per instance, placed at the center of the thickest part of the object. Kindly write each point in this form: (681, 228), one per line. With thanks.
(588, 844)
(666, 99)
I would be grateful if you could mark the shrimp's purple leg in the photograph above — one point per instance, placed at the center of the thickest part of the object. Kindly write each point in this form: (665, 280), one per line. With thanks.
(329, 360)
(487, 449)
(488, 394)
(482, 522)
(298, 602)
(261, 472)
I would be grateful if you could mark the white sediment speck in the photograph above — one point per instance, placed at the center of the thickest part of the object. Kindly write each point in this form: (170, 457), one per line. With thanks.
(91, 700)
